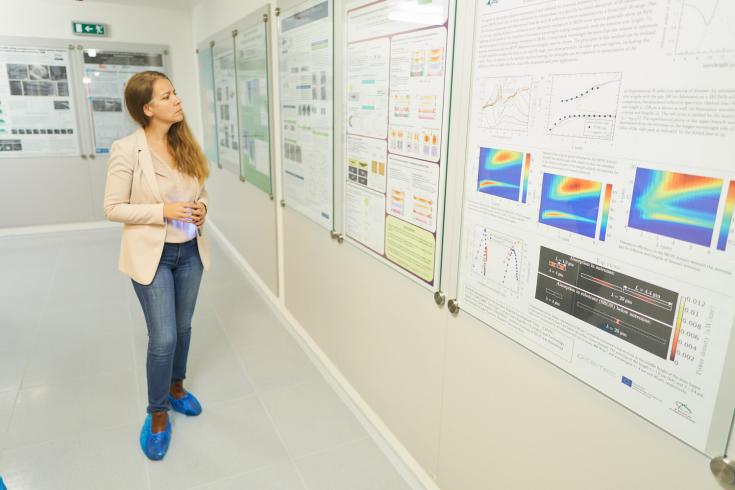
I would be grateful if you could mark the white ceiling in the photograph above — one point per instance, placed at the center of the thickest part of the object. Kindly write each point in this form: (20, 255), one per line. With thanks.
(175, 4)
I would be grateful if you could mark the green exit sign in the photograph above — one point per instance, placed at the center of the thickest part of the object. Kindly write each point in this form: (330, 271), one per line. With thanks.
(88, 29)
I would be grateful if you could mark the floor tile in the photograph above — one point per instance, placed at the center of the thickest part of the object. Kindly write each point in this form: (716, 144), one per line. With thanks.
(7, 401)
(356, 466)
(226, 440)
(311, 417)
(59, 356)
(279, 477)
(276, 363)
(80, 406)
(108, 459)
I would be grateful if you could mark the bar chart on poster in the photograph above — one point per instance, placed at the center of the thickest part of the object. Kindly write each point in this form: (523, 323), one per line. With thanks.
(599, 191)
(398, 56)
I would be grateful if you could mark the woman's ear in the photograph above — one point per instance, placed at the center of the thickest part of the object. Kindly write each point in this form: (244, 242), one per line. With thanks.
(147, 111)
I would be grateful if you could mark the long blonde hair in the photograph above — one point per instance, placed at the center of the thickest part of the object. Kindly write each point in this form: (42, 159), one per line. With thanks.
(187, 153)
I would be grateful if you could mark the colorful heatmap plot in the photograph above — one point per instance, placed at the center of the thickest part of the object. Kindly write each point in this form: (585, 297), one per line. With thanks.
(499, 173)
(526, 171)
(727, 217)
(605, 212)
(675, 205)
(570, 204)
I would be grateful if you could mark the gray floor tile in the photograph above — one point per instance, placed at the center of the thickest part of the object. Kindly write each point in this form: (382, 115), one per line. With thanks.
(356, 466)
(310, 417)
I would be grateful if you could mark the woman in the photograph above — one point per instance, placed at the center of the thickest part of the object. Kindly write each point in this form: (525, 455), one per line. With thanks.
(155, 186)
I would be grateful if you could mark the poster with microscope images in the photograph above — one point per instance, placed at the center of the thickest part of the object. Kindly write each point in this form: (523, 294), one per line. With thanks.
(37, 115)
(396, 127)
(225, 95)
(597, 222)
(306, 53)
(105, 76)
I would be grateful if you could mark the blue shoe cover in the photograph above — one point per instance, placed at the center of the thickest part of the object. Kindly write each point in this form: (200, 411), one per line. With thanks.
(153, 445)
(2, 485)
(188, 405)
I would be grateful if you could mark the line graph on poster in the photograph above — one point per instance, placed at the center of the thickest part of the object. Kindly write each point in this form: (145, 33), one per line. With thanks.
(498, 259)
(504, 103)
(703, 27)
(584, 105)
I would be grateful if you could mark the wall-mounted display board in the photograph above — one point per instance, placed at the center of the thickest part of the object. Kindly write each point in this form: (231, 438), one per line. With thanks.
(205, 62)
(37, 112)
(398, 74)
(251, 62)
(306, 53)
(106, 71)
(225, 90)
(598, 199)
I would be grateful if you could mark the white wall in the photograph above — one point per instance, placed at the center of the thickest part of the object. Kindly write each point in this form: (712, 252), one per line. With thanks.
(64, 190)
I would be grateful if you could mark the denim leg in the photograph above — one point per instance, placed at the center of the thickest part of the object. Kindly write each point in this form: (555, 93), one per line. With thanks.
(187, 276)
(158, 302)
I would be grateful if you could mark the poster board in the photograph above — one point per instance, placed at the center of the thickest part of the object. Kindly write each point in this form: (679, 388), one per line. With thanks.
(305, 35)
(225, 89)
(205, 63)
(107, 68)
(597, 222)
(253, 87)
(38, 113)
(398, 76)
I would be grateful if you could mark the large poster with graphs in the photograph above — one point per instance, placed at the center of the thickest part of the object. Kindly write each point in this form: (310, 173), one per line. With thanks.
(599, 197)
(398, 73)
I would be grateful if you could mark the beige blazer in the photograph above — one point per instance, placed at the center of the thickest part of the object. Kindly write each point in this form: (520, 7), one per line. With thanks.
(132, 198)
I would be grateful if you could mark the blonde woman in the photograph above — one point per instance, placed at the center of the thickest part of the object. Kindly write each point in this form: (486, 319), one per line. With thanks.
(155, 186)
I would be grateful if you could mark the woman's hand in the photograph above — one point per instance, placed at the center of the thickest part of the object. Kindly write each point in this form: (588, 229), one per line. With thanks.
(199, 214)
(182, 211)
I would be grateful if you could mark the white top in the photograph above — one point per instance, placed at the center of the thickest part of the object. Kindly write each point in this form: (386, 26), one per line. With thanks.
(175, 187)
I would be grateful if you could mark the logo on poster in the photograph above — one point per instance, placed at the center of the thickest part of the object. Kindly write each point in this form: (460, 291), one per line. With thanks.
(681, 408)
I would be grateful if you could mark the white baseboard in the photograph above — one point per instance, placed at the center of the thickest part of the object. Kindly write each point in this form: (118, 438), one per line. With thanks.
(43, 229)
(403, 461)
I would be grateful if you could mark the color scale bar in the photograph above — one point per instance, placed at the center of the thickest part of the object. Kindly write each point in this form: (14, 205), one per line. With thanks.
(675, 343)
(727, 217)
(526, 171)
(605, 212)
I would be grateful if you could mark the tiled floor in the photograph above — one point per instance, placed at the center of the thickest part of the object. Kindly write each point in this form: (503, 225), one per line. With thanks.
(73, 394)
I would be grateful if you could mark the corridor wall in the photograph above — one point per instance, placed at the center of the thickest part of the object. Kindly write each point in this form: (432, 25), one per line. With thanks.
(52, 191)
(468, 408)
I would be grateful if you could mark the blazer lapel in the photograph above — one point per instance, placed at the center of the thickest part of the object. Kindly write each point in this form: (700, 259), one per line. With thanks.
(146, 164)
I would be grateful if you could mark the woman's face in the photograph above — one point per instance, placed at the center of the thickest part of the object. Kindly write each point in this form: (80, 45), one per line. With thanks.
(165, 105)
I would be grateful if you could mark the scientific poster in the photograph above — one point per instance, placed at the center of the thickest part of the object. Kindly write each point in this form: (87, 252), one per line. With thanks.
(37, 114)
(306, 109)
(225, 95)
(397, 82)
(252, 86)
(105, 76)
(206, 85)
(599, 196)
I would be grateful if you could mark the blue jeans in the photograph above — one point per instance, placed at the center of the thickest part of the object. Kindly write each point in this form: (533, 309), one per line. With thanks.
(168, 305)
